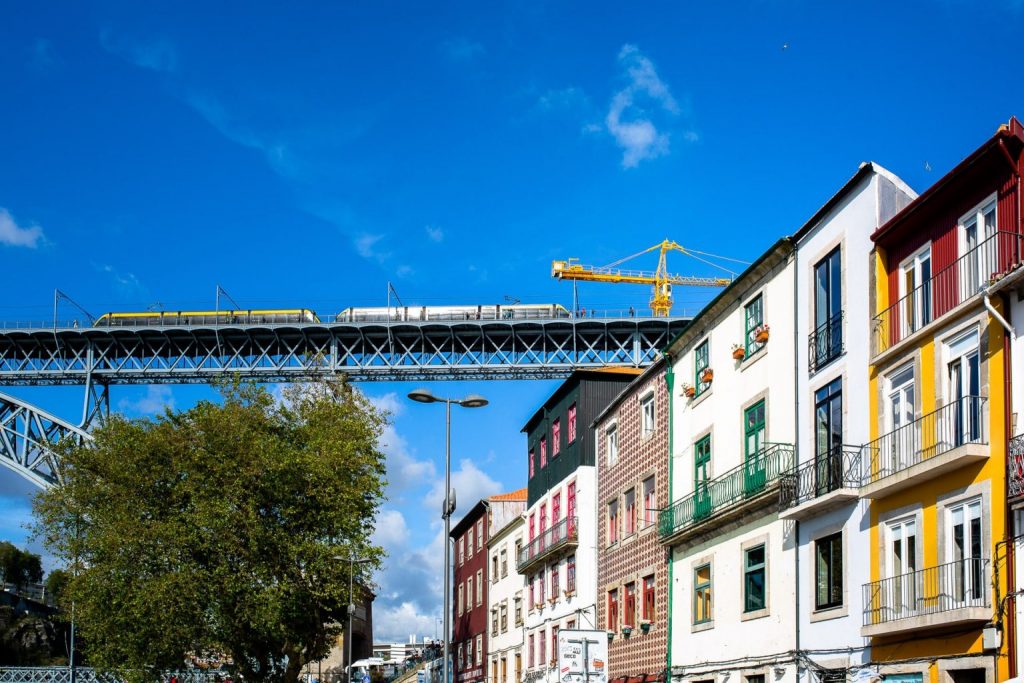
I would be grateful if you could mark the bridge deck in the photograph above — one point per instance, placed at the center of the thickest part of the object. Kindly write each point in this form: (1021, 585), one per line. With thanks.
(461, 349)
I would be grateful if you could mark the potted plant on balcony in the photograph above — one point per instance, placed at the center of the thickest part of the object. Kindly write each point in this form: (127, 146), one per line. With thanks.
(611, 636)
(539, 604)
(689, 391)
(707, 375)
(569, 594)
(645, 625)
(627, 631)
(553, 599)
(738, 352)
(761, 333)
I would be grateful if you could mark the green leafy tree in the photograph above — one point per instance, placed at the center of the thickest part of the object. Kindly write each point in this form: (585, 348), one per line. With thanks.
(219, 529)
(19, 566)
(56, 583)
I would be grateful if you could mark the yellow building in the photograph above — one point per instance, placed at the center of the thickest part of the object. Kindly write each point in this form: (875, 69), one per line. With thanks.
(935, 470)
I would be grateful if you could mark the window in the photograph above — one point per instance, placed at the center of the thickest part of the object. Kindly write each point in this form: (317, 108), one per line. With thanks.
(479, 649)
(612, 442)
(648, 608)
(613, 522)
(702, 501)
(571, 426)
(554, 642)
(494, 569)
(533, 600)
(754, 588)
(531, 463)
(828, 571)
(503, 615)
(553, 574)
(469, 653)
(469, 593)
(469, 542)
(702, 606)
(542, 658)
(556, 507)
(629, 614)
(755, 466)
(519, 549)
(504, 561)
(647, 415)
(461, 608)
(570, 574)
(494, 622)
(964, 549)
(753, 314)
(543, 451)
(701, 362)
(542, 518)
(755, 678)
(479, 534)
(518, 610)
(630, 499)
(975, 229)
(650, 502)
(828, 437)
(613, 609)
(529, 650)
(479, 586)
(556, 437)
(915, 292)
(461, 665)
(570, 500)
(827, 338)
(519, 667)
(963, 389)
(540, 586)
(570, 625)
(462, 550)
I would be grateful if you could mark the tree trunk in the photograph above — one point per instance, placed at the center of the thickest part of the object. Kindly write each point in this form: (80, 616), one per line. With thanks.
(295, 664)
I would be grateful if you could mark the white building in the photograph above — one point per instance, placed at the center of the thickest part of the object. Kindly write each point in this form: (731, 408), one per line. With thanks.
(506, 599)
(733, 435)
(833, 325)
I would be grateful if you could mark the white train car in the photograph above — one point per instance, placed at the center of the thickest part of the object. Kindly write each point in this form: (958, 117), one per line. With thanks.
(448, 313)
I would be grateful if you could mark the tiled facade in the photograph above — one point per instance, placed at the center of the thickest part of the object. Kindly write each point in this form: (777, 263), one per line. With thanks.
(636, 556)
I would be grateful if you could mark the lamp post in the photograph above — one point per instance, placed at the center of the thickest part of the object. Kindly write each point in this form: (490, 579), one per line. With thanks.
(472, 401)
(352, 562)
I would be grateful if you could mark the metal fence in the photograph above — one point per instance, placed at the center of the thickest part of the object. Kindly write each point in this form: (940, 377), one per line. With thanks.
(84, 674)
(561, 534)
(946, 587)
(826, 343)
(749, 480)
(955, 424)
(947, 289)
(839, 468)
(1015, 467)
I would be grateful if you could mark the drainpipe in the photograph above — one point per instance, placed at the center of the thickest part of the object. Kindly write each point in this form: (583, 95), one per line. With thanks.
(670, 377)
(796, 458)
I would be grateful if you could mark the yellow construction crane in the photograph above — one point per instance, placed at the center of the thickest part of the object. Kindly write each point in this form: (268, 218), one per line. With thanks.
(660, 280)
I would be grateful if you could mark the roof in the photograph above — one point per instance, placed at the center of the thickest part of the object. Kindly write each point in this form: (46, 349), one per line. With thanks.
(571, 381)
(1012, 132)
(512, 496)
(469, 518)
(630, 388)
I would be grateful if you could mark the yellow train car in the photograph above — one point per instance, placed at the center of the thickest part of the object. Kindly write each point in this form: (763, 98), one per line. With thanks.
(232, 317)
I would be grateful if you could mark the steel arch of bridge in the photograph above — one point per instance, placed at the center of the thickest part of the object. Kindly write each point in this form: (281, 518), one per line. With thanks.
(28, 436)
(536, 349)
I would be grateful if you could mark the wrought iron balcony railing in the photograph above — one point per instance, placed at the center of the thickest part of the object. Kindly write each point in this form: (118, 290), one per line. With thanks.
(826, 343)
(947, 289)
(758, 475)
(837, 469)
(956, 585)
(951, 426)
(561, 535)
(1015, 465)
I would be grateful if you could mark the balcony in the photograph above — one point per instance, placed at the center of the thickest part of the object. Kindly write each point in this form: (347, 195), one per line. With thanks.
(948, 289)
(950, 594)
(829, 481)
(554, 542)
(941, 441)
(1015, 469)
(751, 486)
(826, 343)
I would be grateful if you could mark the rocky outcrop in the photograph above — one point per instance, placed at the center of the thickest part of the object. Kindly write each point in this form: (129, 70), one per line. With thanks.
(30, 639)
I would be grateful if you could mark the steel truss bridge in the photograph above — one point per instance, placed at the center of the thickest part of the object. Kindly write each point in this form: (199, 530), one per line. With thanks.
(98, 357)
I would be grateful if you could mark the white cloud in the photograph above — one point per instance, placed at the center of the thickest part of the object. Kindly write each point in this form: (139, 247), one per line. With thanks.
(275, 152)
(14, 235)
(155, 400)
(390, 530)
(395, 623)
(435, 233)
(391, 403)
(470, 484)
(155, 55)
(124, 281)
(629, 119)
(366, 246)
(404, 470)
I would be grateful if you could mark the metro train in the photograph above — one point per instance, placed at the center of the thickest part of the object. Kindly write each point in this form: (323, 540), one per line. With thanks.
(173, 318)
(479, 312)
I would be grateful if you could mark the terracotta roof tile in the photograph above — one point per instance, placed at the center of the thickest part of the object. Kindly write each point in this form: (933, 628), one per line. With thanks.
(513, 495)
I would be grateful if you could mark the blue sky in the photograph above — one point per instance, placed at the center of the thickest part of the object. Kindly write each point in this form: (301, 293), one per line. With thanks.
(308, 155)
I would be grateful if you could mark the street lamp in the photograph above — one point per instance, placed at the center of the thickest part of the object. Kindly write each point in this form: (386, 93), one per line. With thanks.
(353, 561)
(423, 395)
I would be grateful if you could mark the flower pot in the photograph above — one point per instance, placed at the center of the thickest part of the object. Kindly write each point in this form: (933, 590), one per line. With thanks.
(707, 376)
(738, 353)
(611, 636)
(690, 392)
(627, 631)
(761, 336)
(645, 626)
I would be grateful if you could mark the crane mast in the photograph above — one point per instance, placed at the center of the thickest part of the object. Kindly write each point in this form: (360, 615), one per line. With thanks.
(661, 280)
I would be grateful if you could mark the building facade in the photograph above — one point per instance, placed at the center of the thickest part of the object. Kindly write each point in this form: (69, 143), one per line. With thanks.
(559, 560)
(821, 497)
(469, 623)
(940, 423)
(632, 575)
(506, 595)
(732, 434)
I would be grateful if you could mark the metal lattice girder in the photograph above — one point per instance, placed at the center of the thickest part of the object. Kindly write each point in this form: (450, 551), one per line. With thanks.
(84, 674)
(27, 438)
(362, 351)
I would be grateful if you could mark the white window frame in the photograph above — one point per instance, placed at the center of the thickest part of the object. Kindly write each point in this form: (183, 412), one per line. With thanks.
(611, 436)
(648, 423)
(913, 262)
